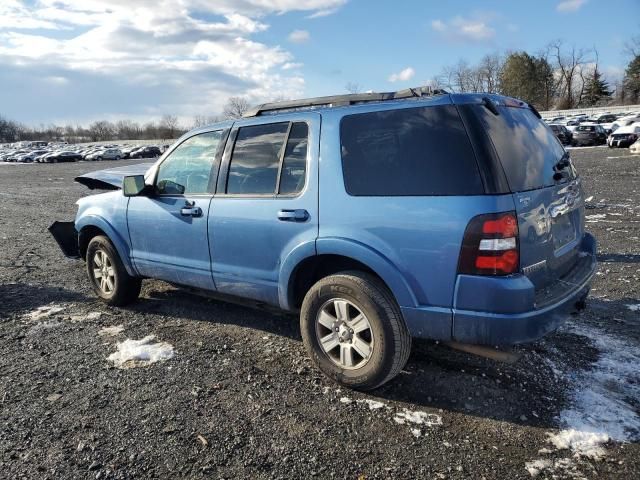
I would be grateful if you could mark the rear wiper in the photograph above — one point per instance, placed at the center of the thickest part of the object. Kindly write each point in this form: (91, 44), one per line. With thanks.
(564, 162)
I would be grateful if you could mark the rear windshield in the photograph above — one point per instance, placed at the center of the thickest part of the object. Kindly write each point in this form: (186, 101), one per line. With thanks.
(586, 129)
(412, 151)
(526, 146)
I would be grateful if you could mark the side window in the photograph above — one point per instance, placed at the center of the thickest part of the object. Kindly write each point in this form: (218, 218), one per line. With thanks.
(188, 169)
(294, 164)
(411, 151)
(256, 158)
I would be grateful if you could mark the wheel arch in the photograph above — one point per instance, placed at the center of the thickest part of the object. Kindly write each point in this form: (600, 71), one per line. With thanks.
(93, 225)
(335, 255)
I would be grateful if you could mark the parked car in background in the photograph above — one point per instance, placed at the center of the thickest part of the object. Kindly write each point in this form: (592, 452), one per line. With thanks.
(31, 156)
(603, 118)
(589, 134)
(106, 154)
(63, 156)
(624, 136)
(126, 151)
(635, 148)
(444, 247)
(146, 152)
(562, 133)
(13, 156)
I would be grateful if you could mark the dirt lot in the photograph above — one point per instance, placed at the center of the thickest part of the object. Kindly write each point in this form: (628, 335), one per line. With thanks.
(239, 398)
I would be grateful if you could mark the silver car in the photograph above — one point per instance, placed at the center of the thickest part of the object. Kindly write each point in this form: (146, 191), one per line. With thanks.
(107, 154)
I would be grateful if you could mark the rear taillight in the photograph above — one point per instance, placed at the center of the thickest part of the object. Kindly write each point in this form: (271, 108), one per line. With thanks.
(490, 245)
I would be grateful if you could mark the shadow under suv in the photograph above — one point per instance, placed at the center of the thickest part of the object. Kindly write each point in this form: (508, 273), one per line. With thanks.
(376, 217)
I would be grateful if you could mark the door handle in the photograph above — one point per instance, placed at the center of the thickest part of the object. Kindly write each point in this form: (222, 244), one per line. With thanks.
(299, 215)
(191, 211)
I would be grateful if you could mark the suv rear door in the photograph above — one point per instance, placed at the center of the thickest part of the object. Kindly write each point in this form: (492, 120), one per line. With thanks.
(550, 212)
(266, 203)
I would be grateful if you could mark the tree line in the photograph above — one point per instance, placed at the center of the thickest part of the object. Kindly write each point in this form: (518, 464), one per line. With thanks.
(560, 77)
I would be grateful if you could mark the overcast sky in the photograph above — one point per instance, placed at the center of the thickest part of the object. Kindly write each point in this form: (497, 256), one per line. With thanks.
(74, 61)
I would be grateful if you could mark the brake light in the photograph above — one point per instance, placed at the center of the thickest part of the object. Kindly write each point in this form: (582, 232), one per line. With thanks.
(490, 245)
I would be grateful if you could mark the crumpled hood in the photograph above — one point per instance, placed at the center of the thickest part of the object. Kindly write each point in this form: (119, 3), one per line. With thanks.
(111, 178)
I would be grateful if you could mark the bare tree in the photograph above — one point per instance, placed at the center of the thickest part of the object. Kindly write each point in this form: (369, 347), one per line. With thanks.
(488, 72)
(570, 64)
(101, 130)
(632, 47)
(235, 107)
(353, 87)
(169, 126)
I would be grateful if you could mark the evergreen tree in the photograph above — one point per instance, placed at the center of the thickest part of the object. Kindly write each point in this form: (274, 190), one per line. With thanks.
(631, 83)
(528, 78)
(596, 89)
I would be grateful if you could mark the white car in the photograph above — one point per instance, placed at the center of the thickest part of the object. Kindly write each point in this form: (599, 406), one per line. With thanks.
(624, 136)
(635, 148)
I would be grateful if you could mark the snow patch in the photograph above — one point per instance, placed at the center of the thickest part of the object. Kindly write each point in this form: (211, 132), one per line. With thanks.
(373, 404)
(602, 398)
(595, 217)
(417, 417)
(45, 311)
(111, 331)
(536, 466)
(566, 468)
(140, 353)
(416, 432)
(634, 308)
(345, 400)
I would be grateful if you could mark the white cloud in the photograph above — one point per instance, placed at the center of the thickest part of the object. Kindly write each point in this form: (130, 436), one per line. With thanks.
(570, 5)
(402, 76)
(465, 29)
(191, 54)
(299, 36)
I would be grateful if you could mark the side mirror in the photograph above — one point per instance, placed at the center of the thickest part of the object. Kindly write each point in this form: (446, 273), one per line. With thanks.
(133, 185)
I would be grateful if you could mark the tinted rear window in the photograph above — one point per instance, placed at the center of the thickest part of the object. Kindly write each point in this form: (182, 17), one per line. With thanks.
(526, 146)
(586, 129)
(415, 151)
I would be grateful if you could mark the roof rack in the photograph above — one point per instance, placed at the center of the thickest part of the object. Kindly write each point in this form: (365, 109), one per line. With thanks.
(342, 100)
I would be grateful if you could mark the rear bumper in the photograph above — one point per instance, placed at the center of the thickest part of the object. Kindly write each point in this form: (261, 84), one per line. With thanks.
(523, 315)
(506, 310)
(67, 237)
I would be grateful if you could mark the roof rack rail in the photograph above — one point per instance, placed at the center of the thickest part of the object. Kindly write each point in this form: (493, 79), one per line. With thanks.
(342, 100)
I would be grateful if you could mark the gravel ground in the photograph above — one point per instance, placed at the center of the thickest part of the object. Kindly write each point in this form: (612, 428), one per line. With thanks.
(239, 399)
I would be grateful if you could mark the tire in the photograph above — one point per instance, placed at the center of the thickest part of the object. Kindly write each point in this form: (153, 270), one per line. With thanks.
(122, 289)
(386, 337)
(117, 157)
(99, 159)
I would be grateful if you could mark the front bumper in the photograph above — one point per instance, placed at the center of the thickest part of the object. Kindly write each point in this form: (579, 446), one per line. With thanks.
(67, 237)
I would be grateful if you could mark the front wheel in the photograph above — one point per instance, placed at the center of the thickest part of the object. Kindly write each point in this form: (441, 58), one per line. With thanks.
(108, 276)
(353, 330)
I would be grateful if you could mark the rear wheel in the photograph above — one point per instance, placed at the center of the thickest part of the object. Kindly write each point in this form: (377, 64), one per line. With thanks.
(354, 331)
(108, 276)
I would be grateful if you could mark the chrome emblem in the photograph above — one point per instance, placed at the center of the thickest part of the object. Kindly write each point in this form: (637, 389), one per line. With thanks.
(525, 201)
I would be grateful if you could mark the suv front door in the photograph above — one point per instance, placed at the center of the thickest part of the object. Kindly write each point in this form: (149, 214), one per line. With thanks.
(266, 203)
(168, 228)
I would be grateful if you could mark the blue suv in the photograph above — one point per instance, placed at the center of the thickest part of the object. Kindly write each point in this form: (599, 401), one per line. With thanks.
(377, 217)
